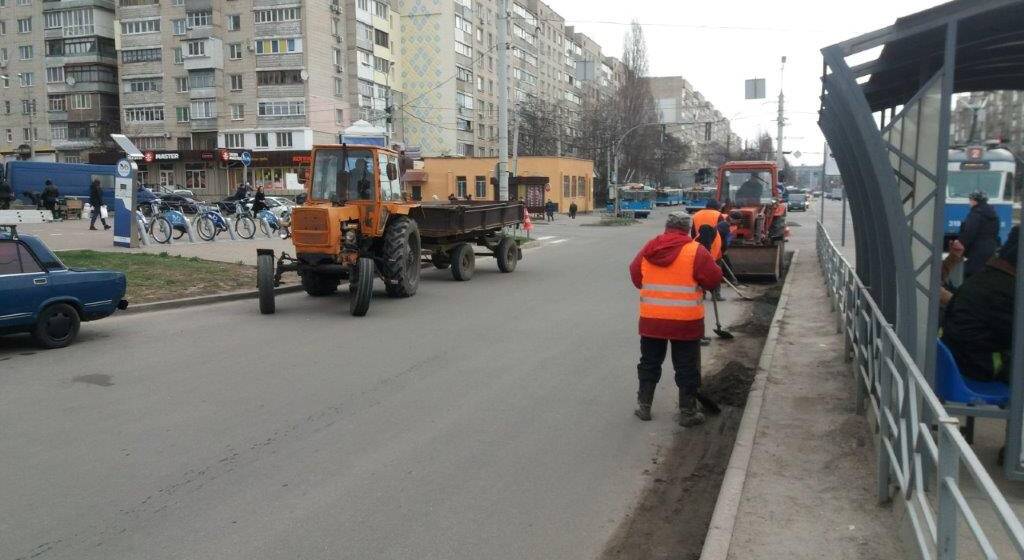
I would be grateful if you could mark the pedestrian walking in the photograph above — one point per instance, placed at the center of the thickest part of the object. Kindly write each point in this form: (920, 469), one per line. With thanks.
(96, 201)
(573, 209)
(979, 233)
(6, 194)
(49, 195)
(671, 271)
(549, 210)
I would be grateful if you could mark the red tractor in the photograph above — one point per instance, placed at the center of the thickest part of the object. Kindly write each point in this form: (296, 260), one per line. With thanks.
(750, 192)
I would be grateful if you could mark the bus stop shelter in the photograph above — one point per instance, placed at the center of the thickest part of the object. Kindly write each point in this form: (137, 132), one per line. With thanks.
(886, 104)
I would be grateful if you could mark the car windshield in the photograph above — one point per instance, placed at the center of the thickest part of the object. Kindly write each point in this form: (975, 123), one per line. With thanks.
(748, 187)
(339, 178)
(797, 197)
(962, 183)
(637, 195)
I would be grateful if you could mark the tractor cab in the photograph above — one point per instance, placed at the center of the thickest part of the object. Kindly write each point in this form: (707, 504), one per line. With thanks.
(749, 192)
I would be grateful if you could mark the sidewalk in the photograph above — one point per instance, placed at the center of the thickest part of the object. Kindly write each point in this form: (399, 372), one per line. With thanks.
(809, 489)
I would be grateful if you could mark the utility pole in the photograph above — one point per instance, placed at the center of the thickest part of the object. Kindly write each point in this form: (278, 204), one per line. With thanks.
(515, 142)
(502, 99)
(779, 158)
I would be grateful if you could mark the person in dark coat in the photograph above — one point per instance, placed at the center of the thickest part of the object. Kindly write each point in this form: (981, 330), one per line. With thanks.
(979, 233)
(549, 210)
(978, 326)
(6, 194)
(259, 201)
(670, 271)
(49, 195)
(96, 201)
(573, 209)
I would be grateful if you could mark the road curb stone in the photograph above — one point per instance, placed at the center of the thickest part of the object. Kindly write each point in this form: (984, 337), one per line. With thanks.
(202, 300)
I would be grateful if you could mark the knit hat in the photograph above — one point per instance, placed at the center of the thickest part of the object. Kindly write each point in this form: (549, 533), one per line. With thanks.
(679, 220)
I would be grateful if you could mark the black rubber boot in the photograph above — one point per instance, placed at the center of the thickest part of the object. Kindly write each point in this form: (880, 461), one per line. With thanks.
(689, 410)
(644, 399)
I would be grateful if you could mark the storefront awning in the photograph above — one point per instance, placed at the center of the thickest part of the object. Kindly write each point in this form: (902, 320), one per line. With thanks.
(414, 176)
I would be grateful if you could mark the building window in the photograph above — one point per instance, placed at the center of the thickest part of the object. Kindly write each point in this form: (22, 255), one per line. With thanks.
(363, 5)
(278, 46)
(339, 87)
(278, 77)
(203, 109)
(24, 2)
(237, 111)
(380, 10)
(381, 64)
(140, 26)
(380, 38)
(142, 85)
(58, 131)
(56, 103)
(181, 84)
(234, 22)
(565, 187)
(572, 190)
(464, 125)
(277, 14)
(140, 55)
(364, 58)
(178, 26)
(201, 79)
(284, 139)
(262, 139)
(464, 101)
(196, 48)
(465, 149)
(235, 51)
(182, 114)
(144, 114)
(463, 75)
(10, 135)
(55, 75)
(28, 107)
(195, 175)
(27, 79)
(25, 52)
(25, 25)
(281, 108)
(236, 82)
(179, 58)
(480, 83)
(339, 116)
(460, 187)
(199, 19)
(3, 27)
(234, 140)
(463, 49)
(481, 186)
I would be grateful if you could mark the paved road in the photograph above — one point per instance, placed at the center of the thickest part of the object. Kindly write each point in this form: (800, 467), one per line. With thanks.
(490, 419)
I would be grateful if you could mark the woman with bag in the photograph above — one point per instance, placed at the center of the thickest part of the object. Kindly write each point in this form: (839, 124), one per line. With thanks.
(96, 201)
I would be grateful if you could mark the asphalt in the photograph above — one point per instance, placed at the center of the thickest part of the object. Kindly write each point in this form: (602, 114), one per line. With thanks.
(488, 419)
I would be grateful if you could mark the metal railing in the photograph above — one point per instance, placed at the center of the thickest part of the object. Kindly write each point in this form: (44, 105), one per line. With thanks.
(920, 450)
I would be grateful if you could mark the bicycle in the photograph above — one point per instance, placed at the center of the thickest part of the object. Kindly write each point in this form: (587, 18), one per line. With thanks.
(209, 222)
(268, 218)
(156, 224)
(245, 225)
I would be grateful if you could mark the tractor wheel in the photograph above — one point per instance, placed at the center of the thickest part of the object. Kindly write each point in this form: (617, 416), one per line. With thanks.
(440, 260)
(463, 262)
(265, 283)
(318, 285)
(507, 255)
(361, 287)
(401, 257)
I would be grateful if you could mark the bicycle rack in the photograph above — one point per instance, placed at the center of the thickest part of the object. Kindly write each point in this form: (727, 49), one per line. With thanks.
(269, 231)
(143, 234)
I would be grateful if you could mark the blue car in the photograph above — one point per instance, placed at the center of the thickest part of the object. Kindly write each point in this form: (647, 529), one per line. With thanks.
(42, 296)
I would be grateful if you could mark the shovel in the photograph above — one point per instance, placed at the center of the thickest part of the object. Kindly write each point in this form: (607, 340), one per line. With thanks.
(722, 333)
(737, 290)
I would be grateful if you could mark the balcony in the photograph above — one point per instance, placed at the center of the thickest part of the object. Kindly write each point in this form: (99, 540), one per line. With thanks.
(68, 4)
(281, 29)
(283, 121)
(257, 4)
(204, 125)
(133, 12)
(138, 41)
(278, 61)
(287, 90)
(365, 72)
(199, 6)
(73, 143)
(82, 87)
(57, 116)
(213, 57)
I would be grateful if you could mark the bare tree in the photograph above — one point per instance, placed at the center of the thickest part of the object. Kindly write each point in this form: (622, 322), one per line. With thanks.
(636, 107)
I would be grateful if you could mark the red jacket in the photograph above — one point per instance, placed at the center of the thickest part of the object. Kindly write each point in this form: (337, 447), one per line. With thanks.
(662, 251)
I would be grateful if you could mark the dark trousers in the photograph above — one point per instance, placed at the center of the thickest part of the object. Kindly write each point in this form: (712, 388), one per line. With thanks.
(685, 361)
(572, 213)
(96, 214)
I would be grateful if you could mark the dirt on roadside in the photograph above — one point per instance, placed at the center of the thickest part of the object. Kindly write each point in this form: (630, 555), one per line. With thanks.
(672, 515)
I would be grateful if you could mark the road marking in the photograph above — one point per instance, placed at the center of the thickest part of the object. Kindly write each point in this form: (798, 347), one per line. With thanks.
(558, 241)
(545, 238)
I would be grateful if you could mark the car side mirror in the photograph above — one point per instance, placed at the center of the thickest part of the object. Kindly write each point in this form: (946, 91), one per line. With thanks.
(303, 176)
(392, 171)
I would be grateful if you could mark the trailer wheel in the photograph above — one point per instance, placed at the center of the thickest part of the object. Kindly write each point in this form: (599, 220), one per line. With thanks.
(463, 262)
(318, 285)
(401, 257)
(265, 283)
(507, 254)
(361, 287)
(440, 260)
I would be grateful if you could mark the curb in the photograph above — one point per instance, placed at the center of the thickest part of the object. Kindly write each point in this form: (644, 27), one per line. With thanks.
(202, 300)
(719, 536)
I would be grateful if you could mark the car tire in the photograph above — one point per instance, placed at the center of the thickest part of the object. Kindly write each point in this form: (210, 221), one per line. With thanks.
(463, 262)
(57, 326)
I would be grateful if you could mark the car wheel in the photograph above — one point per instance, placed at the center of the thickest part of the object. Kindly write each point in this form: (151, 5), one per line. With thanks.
(57, 326)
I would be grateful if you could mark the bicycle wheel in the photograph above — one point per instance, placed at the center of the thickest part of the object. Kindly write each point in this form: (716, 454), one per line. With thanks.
(206, 228)
(179, 232)
(160, 229)
(245, 227)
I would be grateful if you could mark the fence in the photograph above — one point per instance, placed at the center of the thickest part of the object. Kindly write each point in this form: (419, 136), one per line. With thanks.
(920, 452)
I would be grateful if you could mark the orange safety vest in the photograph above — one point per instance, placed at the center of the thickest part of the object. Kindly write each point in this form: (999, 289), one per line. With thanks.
(670, 292)
(709, 217)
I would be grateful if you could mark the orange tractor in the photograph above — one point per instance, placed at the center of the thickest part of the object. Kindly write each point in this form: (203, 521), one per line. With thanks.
(750, 191)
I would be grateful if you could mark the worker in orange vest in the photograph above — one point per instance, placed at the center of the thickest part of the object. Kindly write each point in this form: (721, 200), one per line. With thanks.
(671, 272)
(710, 217)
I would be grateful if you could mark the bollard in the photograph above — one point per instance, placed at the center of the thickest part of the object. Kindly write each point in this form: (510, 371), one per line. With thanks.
(143, 233)
(188, 230)
(267, 230)
(231, 227)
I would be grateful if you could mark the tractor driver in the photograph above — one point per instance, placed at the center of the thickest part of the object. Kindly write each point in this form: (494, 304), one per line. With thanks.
(749, 193)
(364, 179)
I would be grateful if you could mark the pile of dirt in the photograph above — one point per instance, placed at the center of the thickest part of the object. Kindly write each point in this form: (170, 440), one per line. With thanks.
(730, 385)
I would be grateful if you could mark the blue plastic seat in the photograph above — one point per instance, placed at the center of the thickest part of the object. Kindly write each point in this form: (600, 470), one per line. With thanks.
(952, 386)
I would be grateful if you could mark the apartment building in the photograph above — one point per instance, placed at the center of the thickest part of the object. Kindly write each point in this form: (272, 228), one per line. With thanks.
(58, 78)
(1000, 117)
(449, 73)
(203, 80)
(695, 121)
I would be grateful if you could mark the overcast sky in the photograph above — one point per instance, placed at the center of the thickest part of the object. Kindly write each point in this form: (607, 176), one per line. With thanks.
(718, 44)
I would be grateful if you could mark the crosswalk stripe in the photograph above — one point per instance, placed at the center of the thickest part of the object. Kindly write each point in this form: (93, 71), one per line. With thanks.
(559, 241)
(545, 238)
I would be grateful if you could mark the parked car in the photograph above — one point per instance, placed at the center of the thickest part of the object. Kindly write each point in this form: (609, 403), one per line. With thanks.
(166, 190)
(797, 202)
(42, 296)
(187, 204)
(279, 205)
